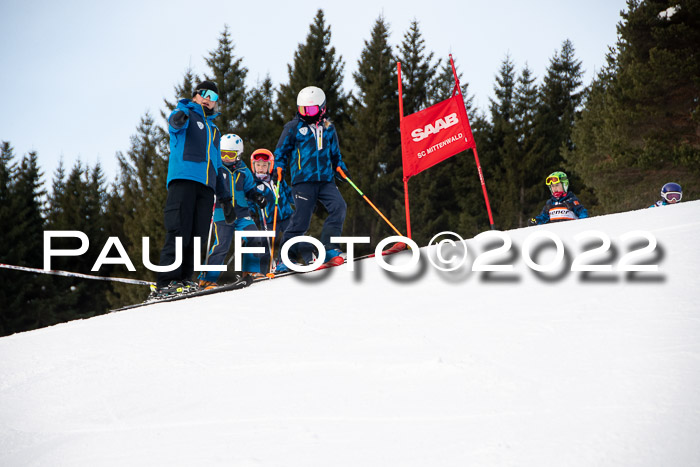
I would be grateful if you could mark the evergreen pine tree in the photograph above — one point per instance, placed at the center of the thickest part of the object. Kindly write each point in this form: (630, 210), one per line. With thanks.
(229, 75)
(8, 238)
(315, 64)
(142, 190)
(79, 206)
(503, 147)
(528, 187)
(373, 146)
(417, 70)
(262, 120)
(561, 98)
(29, 302)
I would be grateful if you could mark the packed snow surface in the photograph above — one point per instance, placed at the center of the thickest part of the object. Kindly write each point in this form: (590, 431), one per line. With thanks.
(377, 368)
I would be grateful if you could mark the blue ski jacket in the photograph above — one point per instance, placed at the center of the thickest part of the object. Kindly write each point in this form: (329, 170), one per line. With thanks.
(661, 202)
(307, 157)
(238, 181)
(194, 146)
(562, 209)
(284, 205)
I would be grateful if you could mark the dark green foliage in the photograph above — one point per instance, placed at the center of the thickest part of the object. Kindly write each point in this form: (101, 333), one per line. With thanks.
(640, 126)
(79, 205)
(526, 174)
(139, 202)
(502, 147)
(371, 146)
(229, 75)
(431, 190)
(21, 243)
(417, 70)
(315, 64)
(560, 100)
(263, 122)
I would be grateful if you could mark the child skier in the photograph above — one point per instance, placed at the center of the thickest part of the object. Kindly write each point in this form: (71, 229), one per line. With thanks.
(563, 204)
(308, 150)
(671, 193)
(240, 184)
(262, 162)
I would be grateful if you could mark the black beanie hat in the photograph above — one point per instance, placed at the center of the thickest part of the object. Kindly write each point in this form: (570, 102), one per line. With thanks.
(205, 85)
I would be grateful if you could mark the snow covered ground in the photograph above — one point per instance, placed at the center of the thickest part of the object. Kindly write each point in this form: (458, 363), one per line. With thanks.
(371, 368)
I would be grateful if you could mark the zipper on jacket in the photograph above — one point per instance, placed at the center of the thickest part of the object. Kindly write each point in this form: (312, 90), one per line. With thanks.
(209, 141)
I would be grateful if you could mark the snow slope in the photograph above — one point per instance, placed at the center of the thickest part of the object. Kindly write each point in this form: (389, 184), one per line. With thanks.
(371, 368)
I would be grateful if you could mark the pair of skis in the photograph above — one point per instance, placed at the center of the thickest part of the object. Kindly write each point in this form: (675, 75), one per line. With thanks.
(248, 280)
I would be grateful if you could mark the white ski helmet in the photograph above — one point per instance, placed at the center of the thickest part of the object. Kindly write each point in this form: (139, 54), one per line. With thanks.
(311, 104)
(231, 143)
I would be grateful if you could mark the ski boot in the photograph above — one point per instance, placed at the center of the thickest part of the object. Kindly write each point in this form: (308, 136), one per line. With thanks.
(173, 288)
(334, 257)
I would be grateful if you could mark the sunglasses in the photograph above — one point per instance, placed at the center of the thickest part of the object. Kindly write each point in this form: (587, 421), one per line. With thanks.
(309, 110)
(673, 196)
(209, 94)
(552, 180)
(229, 156)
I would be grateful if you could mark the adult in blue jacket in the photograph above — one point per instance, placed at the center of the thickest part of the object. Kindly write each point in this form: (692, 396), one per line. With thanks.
(563, 205)
(193, 180)
(308, 150)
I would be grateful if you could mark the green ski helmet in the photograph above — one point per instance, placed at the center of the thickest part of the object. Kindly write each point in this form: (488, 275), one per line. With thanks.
(557, 177)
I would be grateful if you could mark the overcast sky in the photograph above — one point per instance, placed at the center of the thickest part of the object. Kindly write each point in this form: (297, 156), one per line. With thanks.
(77, 76)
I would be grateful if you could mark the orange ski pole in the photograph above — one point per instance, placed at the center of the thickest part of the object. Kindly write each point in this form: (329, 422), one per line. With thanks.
(274, 221)
(346, 178)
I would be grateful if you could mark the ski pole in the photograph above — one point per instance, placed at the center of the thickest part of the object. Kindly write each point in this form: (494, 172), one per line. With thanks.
(274, 222)
(76, 274)
(264, 223)
(211, 226)
(345, 177)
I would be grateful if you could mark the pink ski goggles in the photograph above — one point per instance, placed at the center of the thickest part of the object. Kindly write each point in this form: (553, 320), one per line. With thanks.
(309, 110)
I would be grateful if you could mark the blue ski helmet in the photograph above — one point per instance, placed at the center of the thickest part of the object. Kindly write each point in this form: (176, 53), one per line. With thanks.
(671, 192)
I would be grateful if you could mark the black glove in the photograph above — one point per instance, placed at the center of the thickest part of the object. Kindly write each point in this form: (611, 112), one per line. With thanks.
(179, 119)
(259, 199)
(532, 221)
(229, 212)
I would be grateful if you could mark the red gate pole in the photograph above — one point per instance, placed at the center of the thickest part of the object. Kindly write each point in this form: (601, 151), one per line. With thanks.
(476, 156)
(405, 179)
